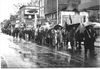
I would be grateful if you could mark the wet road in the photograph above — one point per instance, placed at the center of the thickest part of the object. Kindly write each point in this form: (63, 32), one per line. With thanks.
(32, 55)
(44, 56)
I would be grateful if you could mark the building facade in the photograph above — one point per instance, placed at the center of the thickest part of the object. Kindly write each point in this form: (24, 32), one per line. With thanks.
(28, 15)
(93, 6)
(40, 4)
(42, 9)
(51, 7)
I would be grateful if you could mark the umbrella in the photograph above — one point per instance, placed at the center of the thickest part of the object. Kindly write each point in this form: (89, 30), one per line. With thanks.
(97, 25)
(57, 27)
(49, 31)
(94, 24)
(83, 27)
(69, 27)
(89, 26)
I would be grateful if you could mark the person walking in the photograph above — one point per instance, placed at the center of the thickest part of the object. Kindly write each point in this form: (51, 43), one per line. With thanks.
(89, 35)
(75, 19)
(72, 39)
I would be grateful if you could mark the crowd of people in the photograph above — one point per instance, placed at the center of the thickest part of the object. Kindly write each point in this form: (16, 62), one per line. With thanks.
(56, 38)
(62, 37)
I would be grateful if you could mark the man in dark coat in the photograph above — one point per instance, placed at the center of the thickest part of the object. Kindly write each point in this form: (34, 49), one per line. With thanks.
(89, 35)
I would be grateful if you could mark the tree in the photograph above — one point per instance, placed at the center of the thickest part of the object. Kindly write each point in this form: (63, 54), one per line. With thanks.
(31, 3)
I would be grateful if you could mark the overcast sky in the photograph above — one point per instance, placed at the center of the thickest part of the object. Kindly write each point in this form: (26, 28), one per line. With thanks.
(7, 8)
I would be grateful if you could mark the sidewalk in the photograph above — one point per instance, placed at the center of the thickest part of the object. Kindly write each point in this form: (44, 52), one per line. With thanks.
(3, 63)
(12, 58)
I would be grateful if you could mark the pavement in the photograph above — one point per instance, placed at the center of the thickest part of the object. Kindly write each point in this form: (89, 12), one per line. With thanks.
(41, 56)
(11, 59)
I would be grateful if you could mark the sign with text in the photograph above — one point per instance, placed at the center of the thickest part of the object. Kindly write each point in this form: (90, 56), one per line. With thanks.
(31, 11)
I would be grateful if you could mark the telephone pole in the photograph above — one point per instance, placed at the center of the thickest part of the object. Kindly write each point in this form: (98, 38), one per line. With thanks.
(39, 8)
(57, 11)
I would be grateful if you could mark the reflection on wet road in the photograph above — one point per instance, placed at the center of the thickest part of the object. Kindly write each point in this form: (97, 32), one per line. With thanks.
(24, 54)
(45, 57)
